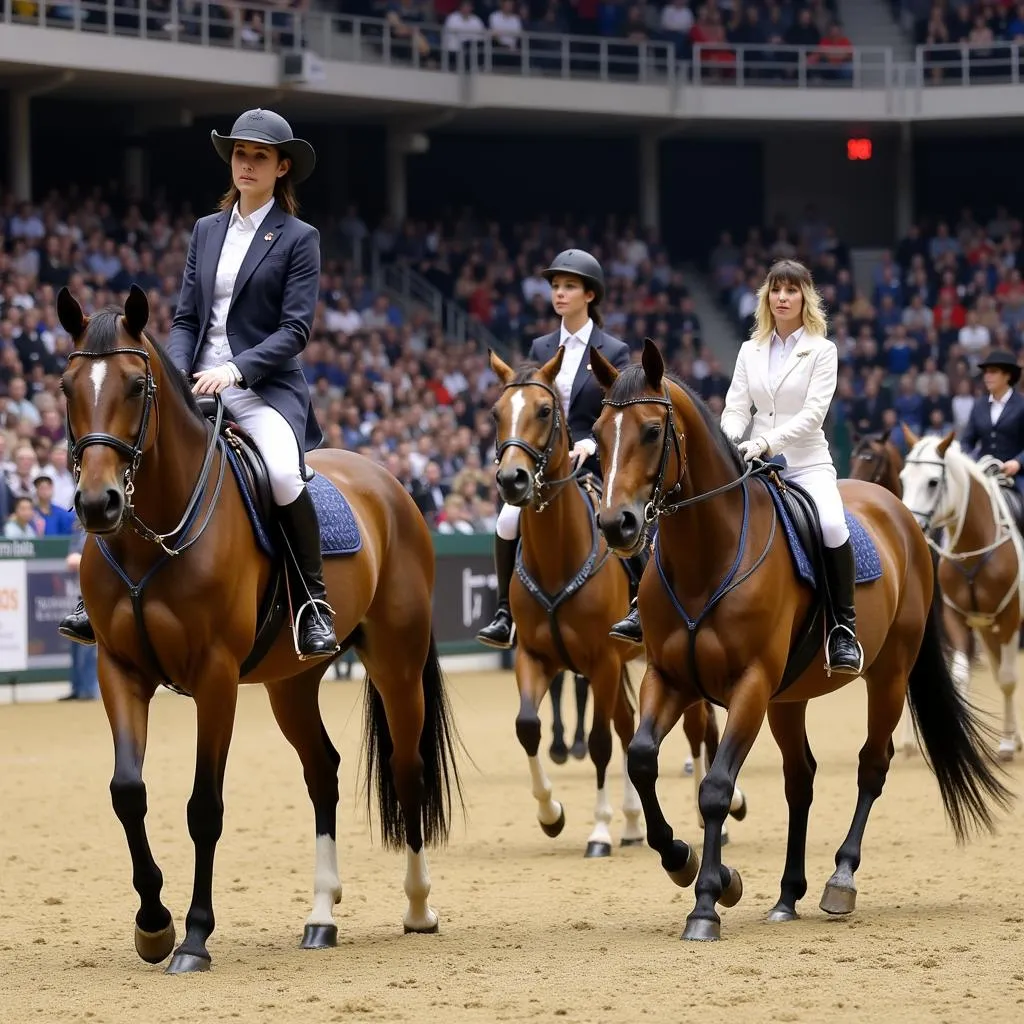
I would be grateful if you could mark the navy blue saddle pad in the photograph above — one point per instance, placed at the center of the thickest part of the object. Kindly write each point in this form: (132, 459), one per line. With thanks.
(339, 531)
(865, 554)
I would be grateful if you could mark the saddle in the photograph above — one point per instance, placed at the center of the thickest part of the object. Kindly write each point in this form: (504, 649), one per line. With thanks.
(1013, 498)
(798, 507)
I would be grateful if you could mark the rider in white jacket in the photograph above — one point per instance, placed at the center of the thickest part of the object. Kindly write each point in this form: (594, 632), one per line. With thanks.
(788, 372)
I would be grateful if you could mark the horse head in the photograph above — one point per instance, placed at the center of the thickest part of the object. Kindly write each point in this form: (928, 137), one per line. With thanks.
(110, 389)
(532, 437)
(933, 478)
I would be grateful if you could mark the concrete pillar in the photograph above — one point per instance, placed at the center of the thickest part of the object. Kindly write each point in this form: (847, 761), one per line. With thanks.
(19, 141)
(904, 181)
(136, 169)
(398, 147)
(650, 181)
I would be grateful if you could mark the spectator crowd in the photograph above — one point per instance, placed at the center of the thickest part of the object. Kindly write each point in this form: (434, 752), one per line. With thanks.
(386, 380)
(910, 343)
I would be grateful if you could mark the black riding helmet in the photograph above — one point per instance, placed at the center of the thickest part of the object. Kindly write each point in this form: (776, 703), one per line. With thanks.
(582, 264)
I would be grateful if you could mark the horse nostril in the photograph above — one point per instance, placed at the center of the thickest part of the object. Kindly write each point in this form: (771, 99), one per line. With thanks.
(521, 478)
(629, 525)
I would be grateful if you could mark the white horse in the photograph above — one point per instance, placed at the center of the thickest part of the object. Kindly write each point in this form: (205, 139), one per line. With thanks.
(981, 568)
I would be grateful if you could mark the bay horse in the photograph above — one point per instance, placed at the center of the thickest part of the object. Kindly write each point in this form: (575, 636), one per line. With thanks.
(981, 561)
(196, 606)
(728, 617)
(566, 595)
(877, 460)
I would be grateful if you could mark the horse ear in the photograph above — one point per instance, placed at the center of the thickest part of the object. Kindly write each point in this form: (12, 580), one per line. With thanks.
(653, 364)
(503, 371)
(943, 446)
(549, 371)
(136, 311)
(70, 314)
(604, 373)
(909, 436)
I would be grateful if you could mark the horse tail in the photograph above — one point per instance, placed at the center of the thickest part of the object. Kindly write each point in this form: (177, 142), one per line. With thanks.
(437, 750)
(958, 745)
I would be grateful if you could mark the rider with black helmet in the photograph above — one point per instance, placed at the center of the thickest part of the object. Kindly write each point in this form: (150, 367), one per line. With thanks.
(577, 288)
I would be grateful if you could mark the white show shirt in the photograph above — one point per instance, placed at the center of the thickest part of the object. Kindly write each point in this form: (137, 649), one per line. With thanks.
(778, 353)
(215, 349)
(997, 405)
(575, 346)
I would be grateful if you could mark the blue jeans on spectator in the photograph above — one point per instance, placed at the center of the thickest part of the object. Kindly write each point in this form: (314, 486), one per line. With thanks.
(85, 684)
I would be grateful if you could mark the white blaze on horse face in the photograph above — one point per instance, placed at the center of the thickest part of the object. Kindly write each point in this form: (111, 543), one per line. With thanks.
(518, 402)
(98, 373)
(615, 461)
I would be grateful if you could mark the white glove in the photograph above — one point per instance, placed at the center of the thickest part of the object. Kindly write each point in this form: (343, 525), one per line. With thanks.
(753, 449)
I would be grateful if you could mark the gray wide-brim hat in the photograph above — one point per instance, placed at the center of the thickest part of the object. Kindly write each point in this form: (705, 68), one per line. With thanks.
(265, 126)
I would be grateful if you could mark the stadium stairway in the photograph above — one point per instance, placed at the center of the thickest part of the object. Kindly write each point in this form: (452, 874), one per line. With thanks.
(870, 23)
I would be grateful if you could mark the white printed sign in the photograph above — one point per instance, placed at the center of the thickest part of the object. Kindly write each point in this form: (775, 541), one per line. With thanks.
(13, 616)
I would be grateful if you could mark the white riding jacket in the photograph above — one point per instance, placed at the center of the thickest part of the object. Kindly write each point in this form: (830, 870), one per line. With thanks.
(789, 416)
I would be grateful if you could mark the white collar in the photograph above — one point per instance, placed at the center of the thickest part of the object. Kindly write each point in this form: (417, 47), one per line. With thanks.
(254, 220)
(794, 337)
(583, 334)
(992, 400)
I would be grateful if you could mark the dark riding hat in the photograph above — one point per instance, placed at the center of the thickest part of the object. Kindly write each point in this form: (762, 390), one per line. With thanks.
(582, 264)
(1002, 360)
(272, 129)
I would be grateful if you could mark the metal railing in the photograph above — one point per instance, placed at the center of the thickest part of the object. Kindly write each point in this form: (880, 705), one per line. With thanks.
(257, 27)
(796, 67)
(995, 63)
(405, 285)
(261, 26)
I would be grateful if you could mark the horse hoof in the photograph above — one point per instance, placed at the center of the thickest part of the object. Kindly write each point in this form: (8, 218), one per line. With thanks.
(429, 930)
(684, 876)
(598, 850)
(733, 892)
(555, 828)
(559, 753)
(780, 914)
(632, 842)
(187, 963)
(699, 929)
(319, 936)
(741, 812)
(579, 750)
(155, 947)
(838, 900)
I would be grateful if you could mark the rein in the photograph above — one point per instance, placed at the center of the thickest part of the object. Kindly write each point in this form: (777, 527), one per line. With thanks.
(658, 505)
(541, 456)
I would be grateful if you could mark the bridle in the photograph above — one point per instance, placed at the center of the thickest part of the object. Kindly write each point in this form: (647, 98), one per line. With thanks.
(541, 456)
(133, 452)
(659, 504)
(880, 460)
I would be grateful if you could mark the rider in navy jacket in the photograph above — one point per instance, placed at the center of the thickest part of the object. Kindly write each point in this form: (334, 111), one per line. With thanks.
(996, 425)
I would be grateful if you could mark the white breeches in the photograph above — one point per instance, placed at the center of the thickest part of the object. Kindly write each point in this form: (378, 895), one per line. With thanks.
(274, 438)
(820, 483)
(507, 526)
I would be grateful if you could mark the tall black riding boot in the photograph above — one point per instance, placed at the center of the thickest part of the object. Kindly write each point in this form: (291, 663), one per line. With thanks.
(629, 628)
(845, 654)
(77, 627)
(501, 630)
(313, 615)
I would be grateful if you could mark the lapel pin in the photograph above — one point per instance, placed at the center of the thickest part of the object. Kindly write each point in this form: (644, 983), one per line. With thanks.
(268, 236)
(588, 366)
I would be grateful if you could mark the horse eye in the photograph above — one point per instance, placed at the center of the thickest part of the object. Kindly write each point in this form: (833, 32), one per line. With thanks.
(544, 412)
(65, 387)
(138, 386)
(651, 433)
(495, 415)
(932, 484)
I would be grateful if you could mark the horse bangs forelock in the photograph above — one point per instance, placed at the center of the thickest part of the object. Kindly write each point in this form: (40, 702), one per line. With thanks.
(524, 373)
(103, 331)
(629, 385)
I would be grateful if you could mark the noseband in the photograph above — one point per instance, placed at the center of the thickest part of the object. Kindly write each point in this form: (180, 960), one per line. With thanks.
(541, 456)
(133, 453)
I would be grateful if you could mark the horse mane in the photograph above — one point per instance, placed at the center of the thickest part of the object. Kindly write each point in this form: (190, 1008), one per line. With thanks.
(103, 337)
(524, 373)
(632, 384)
